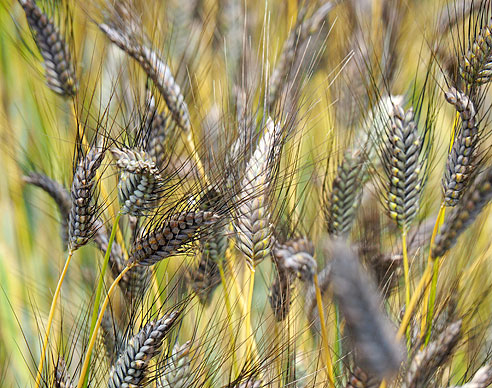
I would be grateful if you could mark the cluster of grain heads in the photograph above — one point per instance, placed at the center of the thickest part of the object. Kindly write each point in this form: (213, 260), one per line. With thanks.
(169, 236)
(475, 198)
(292, 259)
(62, 378)
(252, 223)
(368, 328)
(401, 162)
(60, 74)
(476, 69)
(83, 213)
(343, 197)
(139, 182)
(428, 360)
(460, 164)
(59, 194)
(177, 371)
(132, 367)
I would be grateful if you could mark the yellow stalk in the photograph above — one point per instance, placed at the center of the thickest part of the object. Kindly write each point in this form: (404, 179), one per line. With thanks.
(229, 317)
(324, 334)
(50, 318)
(92, 341)
(251, 351)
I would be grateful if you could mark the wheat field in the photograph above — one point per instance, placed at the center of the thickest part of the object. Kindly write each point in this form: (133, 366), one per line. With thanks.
(245, 193)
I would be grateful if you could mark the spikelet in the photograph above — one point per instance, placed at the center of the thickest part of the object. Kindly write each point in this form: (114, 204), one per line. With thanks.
(169, 237)
(83, 210)
(427, 361)
(62, 378)
(470, 206)
(482, 379)
(177, 373)
(59, 194)
(477, 63)
(59, 71)
(461, 160)
(403, 168)
(139, 182)
(155, 68)
(368, 328)
(131, 368)
(343, 200)
(252, 223)
(299, 35)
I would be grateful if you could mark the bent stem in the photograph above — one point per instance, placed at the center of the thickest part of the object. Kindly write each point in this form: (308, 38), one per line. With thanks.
(100, 283)
(324, 333)
(85, 366)
(51, 316)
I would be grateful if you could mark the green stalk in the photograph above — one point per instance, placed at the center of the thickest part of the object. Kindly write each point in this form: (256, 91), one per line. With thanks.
(100, 285)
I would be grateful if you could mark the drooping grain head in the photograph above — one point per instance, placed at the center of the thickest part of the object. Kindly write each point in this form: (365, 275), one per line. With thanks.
(169, 237)
(403, 167)
(204, 278)
(461, 160)
(59, 194)
(139, 183)
(368, 328)
(155, 68)
(112, 336)
(60, 74)
(280, 294)
(474, 200)
(132, 367)
(435, 355)
(252, 222)
(84, 208)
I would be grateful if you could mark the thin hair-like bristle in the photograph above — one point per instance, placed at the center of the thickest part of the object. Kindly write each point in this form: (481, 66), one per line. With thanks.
(155, 68)
(470, 206)
(434, 355)
(299, 35)
(460, 164)
(59, 194)
(131, 368)
(59, 69)
(482, 379)
(111, 336)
